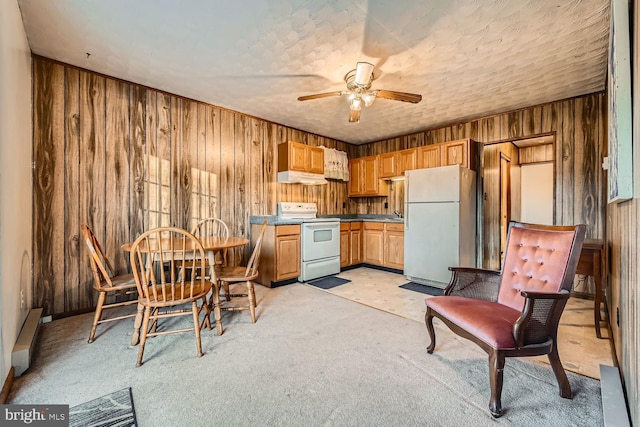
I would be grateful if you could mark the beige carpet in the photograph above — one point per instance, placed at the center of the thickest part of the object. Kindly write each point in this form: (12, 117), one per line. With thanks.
(311, 359)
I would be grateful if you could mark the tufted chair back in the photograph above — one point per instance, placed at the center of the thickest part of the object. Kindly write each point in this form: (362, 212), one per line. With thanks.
(536, 259)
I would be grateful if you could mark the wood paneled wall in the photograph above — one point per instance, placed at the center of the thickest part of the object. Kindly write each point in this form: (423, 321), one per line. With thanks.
(125, 158)
(580, 144)
(623, 242)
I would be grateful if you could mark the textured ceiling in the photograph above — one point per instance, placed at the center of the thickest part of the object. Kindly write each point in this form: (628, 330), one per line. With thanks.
(467, 58)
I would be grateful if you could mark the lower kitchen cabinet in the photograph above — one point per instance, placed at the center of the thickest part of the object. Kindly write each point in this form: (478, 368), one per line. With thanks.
(384, 244)
(394, 246)
(280, 256)
(350, 243)
(355, 242)
(345, 247)
(373, 250)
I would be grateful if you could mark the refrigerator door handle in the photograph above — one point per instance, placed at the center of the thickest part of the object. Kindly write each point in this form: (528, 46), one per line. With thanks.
(406, 194)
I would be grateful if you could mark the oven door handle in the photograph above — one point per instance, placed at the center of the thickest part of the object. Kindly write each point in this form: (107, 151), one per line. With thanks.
(324, 226)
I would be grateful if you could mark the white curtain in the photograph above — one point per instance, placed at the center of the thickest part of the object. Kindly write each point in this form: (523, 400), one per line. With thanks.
(336, 164)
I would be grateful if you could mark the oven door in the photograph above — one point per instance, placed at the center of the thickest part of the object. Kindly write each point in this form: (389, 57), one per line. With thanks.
(320, 240)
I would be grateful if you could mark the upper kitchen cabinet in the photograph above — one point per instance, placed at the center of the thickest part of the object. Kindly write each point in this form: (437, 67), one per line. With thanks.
(459, 152)
(294, 156)
(429, 156)
(396, 162)
(456, 153)
(365, 178)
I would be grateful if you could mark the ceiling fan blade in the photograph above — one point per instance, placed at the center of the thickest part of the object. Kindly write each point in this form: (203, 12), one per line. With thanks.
(399, 96)
(354, 116)
(363, 73)
(319, 95)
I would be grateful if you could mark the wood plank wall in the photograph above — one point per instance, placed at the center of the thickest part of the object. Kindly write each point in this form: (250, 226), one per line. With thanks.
(95, 139)
(623, 242)
(580, 144)
(125, 158)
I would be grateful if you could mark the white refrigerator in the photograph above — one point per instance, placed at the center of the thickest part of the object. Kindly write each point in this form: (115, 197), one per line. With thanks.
(440, 223)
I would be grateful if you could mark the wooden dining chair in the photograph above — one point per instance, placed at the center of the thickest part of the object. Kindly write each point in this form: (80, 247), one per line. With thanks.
(212, 227)
(106, 283)
(155, 259)
(228, 276)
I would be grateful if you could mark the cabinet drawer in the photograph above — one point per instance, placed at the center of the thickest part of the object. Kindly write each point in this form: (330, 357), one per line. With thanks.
(356, 225)
(394, 227)
(373, 226)
(283, 230)
(345, 226)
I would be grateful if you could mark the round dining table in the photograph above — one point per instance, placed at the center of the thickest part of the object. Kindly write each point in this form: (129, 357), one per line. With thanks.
(211, 245)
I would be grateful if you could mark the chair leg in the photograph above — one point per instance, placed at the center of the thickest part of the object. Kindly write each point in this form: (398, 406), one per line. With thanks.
(227, 294)
(558, 370)
(196, 327)
(143, 337)
(496, 368)
(252, 300)
(217, 312)
(207, 314)
(135, 337)
(428, 320)
(96, 317)
(154, 325)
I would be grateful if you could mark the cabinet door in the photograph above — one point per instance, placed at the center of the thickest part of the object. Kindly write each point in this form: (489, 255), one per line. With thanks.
(388, 165)
(371, 179)
(355, 177)
(297, 157)
(316, 159)
(345, 249)
(429, 156)
(356, 247)
(373, 250)
(407, 160)
(287, 257)
(394, 249)
(455, 153)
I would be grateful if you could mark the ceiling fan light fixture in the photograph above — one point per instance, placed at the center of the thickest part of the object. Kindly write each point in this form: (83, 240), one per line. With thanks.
(356, 103)
(368, 98)
(364, 70)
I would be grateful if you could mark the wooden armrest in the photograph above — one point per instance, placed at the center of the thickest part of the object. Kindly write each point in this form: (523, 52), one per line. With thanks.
(544, 316)
(563, 294)
(475, 283)
(475, 270)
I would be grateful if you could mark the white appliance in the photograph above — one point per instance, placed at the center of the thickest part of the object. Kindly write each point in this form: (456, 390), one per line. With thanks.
(319, 240)
(440, 223)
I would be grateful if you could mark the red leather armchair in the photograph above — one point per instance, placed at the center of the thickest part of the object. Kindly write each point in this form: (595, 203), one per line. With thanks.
(514, 312)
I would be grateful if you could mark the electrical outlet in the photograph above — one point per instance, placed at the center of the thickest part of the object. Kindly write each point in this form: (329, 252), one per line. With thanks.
(386, 205)
(344, 205)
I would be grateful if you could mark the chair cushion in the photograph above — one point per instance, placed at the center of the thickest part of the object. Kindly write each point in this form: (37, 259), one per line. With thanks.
(491, 322)
(535, 260)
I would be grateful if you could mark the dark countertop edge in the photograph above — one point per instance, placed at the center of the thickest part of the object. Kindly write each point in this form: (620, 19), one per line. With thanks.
(274, 220)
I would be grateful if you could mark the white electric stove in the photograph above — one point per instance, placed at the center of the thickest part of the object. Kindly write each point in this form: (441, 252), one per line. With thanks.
(319, 239)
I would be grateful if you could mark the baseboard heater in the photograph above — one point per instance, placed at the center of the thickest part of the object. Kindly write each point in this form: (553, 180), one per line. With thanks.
(614, 406)
(26, 342)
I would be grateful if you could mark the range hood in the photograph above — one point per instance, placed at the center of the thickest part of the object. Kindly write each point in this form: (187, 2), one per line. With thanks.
(297, 177)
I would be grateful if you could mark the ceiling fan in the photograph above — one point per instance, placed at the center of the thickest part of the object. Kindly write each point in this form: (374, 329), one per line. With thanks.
(359, 91)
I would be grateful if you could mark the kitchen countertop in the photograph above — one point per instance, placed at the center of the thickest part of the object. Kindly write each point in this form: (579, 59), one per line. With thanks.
(274, 220)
